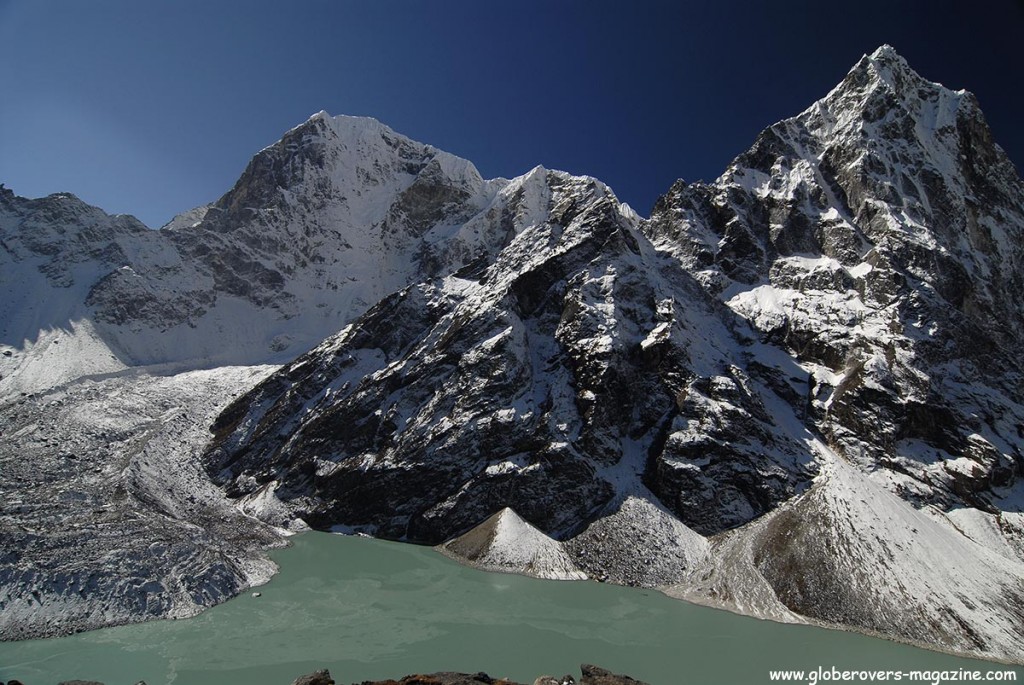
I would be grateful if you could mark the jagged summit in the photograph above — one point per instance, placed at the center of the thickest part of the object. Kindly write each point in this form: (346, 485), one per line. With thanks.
(878, 239)
(886, 51)
(347, 126)
(357, 132)
(885, 56)
(885, 80)
(887, 66)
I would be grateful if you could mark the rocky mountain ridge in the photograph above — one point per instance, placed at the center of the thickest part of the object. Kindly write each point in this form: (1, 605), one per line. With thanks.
(791, 392)
(321, 225)
(783, 359)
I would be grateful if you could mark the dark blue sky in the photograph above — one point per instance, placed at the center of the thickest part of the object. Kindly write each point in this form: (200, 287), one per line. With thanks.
(154, 107)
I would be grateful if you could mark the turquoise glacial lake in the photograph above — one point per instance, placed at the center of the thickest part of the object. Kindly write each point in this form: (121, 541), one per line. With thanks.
(368, 609)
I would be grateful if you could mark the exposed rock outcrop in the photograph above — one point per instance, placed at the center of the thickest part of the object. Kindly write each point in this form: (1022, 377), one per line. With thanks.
(321, 677)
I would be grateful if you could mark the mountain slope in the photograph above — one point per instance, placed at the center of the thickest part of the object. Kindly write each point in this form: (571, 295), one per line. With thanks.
(792, 392)
(336, 215)
(784, 359)
(107, 323)
(456, 398)
(505, 542)
(106, 517)
(877, 239)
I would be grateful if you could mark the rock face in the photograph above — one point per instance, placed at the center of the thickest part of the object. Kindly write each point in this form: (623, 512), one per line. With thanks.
(791, 392)
(468, 394)
(876, 239)
(595, 675)
(770, 368)
(323, 224)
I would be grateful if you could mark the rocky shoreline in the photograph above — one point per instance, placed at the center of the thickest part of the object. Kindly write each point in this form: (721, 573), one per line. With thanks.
(589, 675)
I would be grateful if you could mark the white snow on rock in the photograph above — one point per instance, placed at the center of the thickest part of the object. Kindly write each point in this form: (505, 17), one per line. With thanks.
(507, 543)
(339, 213)
(114, 519)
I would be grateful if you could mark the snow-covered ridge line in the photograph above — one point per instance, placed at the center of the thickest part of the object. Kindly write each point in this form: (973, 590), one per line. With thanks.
(339, 213)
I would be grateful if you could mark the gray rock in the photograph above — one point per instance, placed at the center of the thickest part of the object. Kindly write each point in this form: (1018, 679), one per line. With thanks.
(444, 678)
(321, 677)
(593, 675)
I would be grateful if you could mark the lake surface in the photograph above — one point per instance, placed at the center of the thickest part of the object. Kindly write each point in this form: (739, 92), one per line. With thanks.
(368, 609)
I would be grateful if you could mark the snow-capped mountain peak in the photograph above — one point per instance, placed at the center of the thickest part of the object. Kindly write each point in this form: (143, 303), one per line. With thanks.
(793, 391)
(337, 214)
